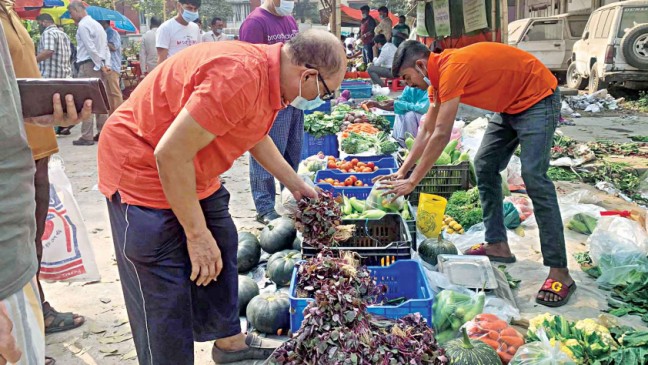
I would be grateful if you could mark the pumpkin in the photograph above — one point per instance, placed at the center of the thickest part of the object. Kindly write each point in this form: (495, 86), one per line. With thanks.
(281, 265)
(248, 252)
(269, 313)
(464, 351)
(278, 235)
(247, 289)
(431, 248)
(297, 243)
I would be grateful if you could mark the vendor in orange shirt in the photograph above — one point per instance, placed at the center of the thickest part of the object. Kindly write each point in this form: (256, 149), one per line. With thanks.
(160, 155)
(511, 82)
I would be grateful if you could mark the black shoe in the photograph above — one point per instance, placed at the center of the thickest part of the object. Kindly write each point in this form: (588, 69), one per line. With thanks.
(96, 137)
(64, 131)
(267, 218)
(82, 142)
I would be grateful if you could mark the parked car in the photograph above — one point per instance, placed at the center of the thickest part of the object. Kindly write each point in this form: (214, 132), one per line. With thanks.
(550, 39)
(613, 50)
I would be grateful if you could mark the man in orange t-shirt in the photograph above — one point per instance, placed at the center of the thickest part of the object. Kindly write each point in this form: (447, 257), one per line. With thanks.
(160, 155)
(511, 82)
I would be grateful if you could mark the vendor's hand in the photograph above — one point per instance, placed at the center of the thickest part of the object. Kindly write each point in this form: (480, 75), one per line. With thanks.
(398, 188)
(205, 256)
(9, 351)
(106, 69)
(398, 175)
(59, 118)
(370, 104)
(304, 191)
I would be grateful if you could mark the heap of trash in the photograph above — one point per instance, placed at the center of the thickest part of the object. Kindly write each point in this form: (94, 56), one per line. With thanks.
(593, 103)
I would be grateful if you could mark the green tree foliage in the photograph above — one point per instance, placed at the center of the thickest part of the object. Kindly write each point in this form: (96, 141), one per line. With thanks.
(215, 8)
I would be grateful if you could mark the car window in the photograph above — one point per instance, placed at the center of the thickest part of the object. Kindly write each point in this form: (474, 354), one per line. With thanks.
(515, 30)
(545, 30)
(600, 28)
(591, 25)
(576, 27)
(631, 17)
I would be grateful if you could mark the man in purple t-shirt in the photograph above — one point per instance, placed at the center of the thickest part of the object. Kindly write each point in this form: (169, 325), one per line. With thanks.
(271, 23)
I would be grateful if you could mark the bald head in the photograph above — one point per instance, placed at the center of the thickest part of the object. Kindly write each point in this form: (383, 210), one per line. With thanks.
(320, 50)
(77, 11)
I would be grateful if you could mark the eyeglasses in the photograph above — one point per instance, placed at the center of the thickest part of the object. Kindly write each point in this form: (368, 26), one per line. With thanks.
(329, 94)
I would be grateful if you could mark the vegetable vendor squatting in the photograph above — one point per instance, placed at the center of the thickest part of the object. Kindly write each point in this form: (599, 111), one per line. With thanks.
(515, 84)
(160, 157)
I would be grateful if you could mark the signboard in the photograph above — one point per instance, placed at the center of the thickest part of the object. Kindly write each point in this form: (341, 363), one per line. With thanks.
(441, 17)
(474, 14)
(420, 19)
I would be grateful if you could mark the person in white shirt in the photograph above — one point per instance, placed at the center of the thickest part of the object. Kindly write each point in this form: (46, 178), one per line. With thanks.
(383, 63)
(93, 60)
(148, 52)
(216, 33)
(180, 32)
(350, 40)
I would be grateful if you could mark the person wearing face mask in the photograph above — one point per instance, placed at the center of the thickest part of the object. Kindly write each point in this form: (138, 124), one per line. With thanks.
(272, 23)
(384, 27)
(367, 27)
(526, 95)
(216, 34)
(159, 161)
(179, 32)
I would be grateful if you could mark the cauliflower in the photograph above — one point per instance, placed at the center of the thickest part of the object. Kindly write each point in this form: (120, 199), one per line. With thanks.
(537, 322)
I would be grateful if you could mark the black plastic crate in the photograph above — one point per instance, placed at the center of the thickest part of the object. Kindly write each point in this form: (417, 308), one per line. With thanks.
(411, 224)
(441, 180)
(377, 242)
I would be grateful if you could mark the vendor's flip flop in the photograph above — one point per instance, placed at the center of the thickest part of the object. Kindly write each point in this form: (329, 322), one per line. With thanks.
(62, 321)
(480, 250)
(558, 288)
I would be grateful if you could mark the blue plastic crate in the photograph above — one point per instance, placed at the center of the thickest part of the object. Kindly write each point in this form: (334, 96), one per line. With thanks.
(358, 90)
(350, 192)
(324, 108)
(383, 162)
(404, 278)
(365, 177)
(312, 146)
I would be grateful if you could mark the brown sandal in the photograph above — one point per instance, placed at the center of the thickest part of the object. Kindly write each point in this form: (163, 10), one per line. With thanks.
(558, 288)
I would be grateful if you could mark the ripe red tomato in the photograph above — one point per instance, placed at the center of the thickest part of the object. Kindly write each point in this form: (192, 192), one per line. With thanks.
(354, 178)
(359, 183)
(371, 164)
(331, 165)
(354, 161)
(348, 182)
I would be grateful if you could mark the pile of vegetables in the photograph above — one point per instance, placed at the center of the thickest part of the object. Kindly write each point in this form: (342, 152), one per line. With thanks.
(359, 128)
(452, 309)
(582, 223)
(378, 200)
(320, 124)
(451, 226)
(465, 208)
(497, 334)
(354, 117)
(349, 181)
(353, 208)
(319, 221)
(589, 342)
(451, 154)
(353, 166)
(337, 329)
(379, 143)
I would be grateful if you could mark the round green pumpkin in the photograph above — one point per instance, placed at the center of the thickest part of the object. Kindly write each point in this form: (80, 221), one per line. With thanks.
(431, 248)
(297, 243)
(278, 235)
(247, 289)
(248, 252)
(281, 265)
(464, 351)
(269, 312)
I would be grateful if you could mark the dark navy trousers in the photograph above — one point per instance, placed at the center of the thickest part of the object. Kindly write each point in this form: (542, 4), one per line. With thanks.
(166, 310)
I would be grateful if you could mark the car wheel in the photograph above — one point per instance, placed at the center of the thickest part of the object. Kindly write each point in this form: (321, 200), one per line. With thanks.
(634, 46)
(574, 79)
(595, 83)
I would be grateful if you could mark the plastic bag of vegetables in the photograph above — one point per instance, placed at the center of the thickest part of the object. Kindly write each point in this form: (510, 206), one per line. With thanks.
(541, 353)
(497, 334)
(452, 308)
(378, 201)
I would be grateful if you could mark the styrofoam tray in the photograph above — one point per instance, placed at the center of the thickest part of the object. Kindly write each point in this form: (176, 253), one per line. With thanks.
(470, 271)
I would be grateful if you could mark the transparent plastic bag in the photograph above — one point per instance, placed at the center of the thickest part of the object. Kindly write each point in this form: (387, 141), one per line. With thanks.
(452, 308)
(541, 353)
(501, 308)
(474, 235)
(288, 204)
(496, 333)
(376, 199)
(523, 205)
(514, 172)
(617, 236)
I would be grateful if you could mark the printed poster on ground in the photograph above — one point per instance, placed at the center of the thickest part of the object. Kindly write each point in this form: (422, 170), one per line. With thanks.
(474, 14)
(441, 17)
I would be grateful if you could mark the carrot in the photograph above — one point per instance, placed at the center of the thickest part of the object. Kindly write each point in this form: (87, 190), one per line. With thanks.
(510, 331)
(487, 317)
(365, 107)
(512, 350)
(493, 335)
(505, 357)
(512, 340)
(494, 344)
(494, 325)
(503, 347)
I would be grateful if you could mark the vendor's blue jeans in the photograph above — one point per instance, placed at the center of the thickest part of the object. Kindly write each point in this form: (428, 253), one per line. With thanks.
(287, 133)
(533, 130)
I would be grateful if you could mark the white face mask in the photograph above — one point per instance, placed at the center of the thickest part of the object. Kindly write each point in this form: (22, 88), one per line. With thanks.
(285, 8)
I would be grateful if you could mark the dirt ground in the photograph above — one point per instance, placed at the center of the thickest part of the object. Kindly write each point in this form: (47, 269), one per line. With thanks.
(106, 338)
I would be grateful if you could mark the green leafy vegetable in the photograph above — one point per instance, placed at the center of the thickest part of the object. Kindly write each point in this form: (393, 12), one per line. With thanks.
(319, 124)
(465, 208)
(512, 282)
